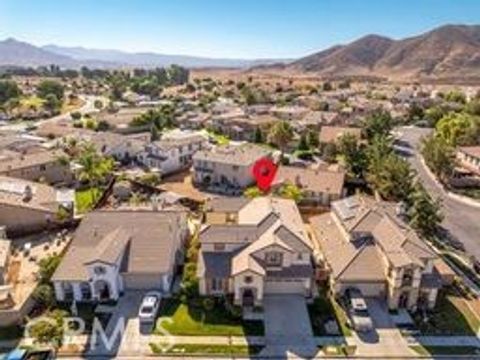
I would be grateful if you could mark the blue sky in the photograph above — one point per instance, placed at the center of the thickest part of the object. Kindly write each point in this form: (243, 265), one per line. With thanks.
(224, 28)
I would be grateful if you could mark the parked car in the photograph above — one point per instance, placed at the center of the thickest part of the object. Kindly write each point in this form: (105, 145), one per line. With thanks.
(25, 354)
(149, 307)
(358, 311)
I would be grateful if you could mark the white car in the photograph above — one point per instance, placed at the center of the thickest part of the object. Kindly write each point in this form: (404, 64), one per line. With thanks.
(149, 307)
(359, 311)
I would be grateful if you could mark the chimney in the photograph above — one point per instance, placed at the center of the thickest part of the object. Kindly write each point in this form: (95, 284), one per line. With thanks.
(27, 194)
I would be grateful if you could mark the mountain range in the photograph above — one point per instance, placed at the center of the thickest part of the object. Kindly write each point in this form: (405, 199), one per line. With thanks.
(447, 51)
(19, 53)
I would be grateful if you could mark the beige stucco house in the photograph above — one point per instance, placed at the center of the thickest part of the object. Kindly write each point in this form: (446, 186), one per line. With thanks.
(26, 206)
(365, 244)
(251, 248)
(227, 168)
(116, 251)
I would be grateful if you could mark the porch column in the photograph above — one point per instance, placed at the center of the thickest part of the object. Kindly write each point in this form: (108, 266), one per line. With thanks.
(77, 292)
(59, 294)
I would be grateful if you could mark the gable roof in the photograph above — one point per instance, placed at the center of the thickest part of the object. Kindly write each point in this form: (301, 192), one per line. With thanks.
(153, 240)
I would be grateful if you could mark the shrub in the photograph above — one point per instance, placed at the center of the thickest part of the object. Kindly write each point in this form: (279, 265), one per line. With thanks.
(208, 304)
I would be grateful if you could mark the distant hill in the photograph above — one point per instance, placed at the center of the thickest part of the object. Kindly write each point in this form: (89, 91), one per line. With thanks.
(18, 53)
(448, 51)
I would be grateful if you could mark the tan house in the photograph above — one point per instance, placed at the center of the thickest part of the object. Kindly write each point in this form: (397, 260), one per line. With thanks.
(227, 168)
(41, 165)
(319, 187)
(252, 248)
(116, 251)
(331, 134)
(26, 206)
(365, 244)
(469, 158)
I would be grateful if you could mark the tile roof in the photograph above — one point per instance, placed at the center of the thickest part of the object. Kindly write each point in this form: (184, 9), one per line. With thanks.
(241, 155)
(333, 133)
(320, 181)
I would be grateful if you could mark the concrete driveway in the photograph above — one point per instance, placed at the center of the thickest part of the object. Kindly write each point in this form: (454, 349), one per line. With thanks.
(287, 326)
(386, 339)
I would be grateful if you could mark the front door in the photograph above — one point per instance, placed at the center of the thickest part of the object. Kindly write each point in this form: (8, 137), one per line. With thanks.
(248, 297)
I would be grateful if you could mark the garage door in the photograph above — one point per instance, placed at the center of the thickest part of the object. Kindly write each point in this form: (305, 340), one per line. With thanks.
(369, 289)
(284, 286)
(143, 282)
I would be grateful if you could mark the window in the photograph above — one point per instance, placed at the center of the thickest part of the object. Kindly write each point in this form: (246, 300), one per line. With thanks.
(407, 278)
(274, 258)
(299, 256)
(217, 284)
(248, 279)
(99, 270)
(43, 167)
(219, 247)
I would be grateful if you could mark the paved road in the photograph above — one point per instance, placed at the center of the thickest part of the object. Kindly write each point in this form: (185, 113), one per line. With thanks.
(88, 107)
(461, 219)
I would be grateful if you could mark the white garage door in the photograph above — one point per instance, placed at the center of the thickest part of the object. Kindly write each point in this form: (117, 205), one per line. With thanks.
(143, 282)
(369, 289)
(284, 286)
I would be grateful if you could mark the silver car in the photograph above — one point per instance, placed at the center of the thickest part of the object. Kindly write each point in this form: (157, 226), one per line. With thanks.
(149, 307)
(358, 311)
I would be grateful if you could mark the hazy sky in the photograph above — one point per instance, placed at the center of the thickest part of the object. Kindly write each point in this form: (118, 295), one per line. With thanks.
(224, 28)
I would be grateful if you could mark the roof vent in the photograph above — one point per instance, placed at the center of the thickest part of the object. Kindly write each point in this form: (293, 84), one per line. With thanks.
(27, 194)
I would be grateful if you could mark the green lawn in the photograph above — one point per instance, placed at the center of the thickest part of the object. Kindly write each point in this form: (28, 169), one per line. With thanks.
(450, 317)
(202, 349)
(193, 320)
(220, 139)
(325, 308)
(446, 350)
(85, 199)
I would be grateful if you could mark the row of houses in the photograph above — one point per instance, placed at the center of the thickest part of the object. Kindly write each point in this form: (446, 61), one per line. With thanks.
(252, 248)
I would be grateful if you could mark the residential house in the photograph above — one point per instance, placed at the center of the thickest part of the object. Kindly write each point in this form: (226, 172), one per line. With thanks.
(27, 206)
(39, 165)
(314, 120)
(227, 168)
(319, 187)
(123, 148)
(173, 152)
(366, 244)
(331, 134)
(469, 158)
(116, 251)
(289, 113)
(253, 248)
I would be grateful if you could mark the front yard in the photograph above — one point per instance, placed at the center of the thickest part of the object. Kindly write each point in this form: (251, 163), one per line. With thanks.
(194, 320)
(203, 349)
(452, 316)
(325, 308)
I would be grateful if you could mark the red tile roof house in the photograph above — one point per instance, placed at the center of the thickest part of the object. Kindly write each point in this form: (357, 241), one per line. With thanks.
(252, 248)
(117, 251)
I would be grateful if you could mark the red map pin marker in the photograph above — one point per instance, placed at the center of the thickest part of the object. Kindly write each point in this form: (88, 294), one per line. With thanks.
(264, 171)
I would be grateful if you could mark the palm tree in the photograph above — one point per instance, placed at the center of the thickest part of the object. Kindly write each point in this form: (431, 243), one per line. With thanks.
(280, 135)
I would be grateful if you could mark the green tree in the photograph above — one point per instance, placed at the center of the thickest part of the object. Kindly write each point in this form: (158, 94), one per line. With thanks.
(252, 192)
(154, 135)
(8, 90)
(434, 114)
(52, 103)
(459, 129)
(94, 167)
(258, 136)
(303, 144)
(49, 330)
(280, 135)
(379, 123)
(291, 191)
(44, 295)
(312, 139)
(98, 104)
(47, 87)
(456, 96)
(425, 213)
(439, 156)
(47, 266)
(353, 155)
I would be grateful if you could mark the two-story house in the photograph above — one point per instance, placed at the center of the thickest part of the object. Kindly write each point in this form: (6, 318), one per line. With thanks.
(367, 245)
(172, 153)
(116, 251)
(253, 248)
(227, 168)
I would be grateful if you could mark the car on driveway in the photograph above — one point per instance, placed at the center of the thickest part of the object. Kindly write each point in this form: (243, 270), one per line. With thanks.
(149, 307)
(358, 311)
